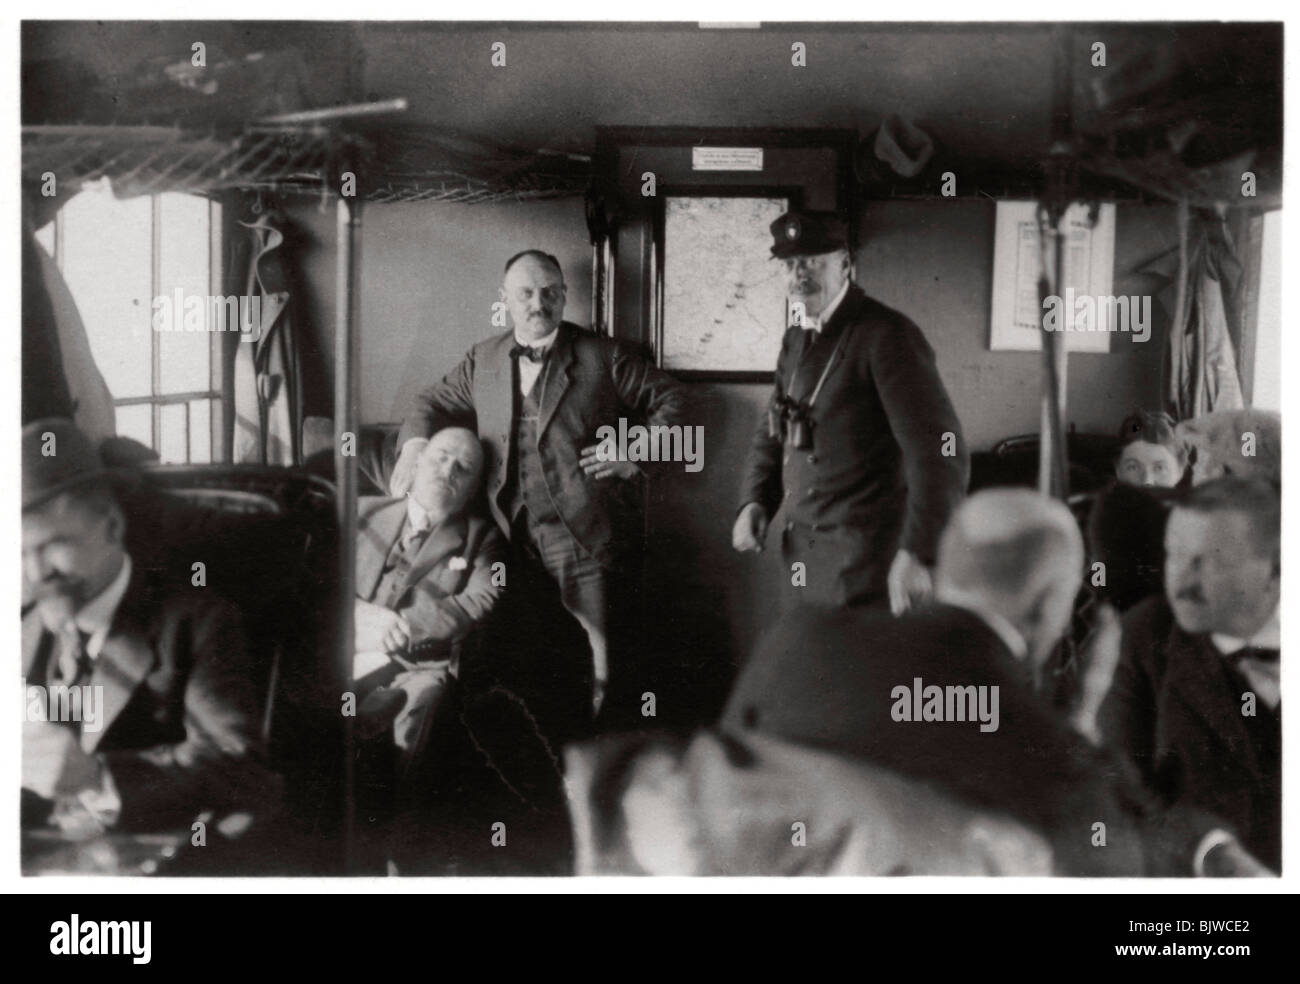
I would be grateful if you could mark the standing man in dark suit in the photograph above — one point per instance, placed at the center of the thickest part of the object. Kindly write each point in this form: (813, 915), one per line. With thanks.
(536, 396)
(167, 723)
(1196, 701)
(946, 694)
(860, 442)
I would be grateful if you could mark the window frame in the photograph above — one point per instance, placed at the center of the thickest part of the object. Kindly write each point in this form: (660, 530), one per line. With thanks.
(218, 449)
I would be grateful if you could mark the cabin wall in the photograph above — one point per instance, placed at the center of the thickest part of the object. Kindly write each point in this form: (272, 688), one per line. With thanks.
(430, 274)
(429, 277)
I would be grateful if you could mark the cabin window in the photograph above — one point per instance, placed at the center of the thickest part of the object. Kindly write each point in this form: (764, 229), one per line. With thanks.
(135, 268)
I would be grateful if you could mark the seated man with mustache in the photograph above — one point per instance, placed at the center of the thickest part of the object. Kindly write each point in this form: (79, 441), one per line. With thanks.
(157, 673)
(425, 577)
(1196, 700)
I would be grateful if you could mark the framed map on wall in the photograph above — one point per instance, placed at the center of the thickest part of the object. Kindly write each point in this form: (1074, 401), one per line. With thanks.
(722, 296)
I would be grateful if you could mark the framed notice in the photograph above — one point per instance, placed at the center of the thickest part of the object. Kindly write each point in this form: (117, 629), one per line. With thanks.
(723, 296)
(1083, 311)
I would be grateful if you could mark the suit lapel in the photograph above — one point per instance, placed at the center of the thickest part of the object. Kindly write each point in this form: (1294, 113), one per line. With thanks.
(33, 629)
(494, 404)
(125, 660)
(555, 376)
(841, 321)
(377, 537)
(122, 664)
(442, 543)
(1196, 681)
(494, 394)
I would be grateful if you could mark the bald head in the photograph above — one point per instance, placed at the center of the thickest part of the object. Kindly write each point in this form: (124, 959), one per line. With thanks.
(447, 472)
(1016, 553)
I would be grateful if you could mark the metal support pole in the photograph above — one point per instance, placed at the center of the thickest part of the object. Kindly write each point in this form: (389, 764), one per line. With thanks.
(1053, 466)
(347, 351)
(1053, 469)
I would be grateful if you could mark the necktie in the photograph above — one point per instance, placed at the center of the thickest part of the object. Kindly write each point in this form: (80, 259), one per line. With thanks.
(74, 664)
(1257, 654)
(529, 352)
(412, 538)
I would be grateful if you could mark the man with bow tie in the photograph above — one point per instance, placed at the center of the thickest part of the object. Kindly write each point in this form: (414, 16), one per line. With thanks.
(425, 577)
(169, 722)
(1195, 700)
(537, 395)
(860, 444)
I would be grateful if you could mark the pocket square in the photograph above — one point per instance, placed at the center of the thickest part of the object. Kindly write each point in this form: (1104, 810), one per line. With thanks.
(457, 563)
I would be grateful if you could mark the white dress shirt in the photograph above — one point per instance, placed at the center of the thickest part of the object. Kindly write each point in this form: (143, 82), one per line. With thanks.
(418, 520)
(95, 619)
(528, 369)
(1264, 677)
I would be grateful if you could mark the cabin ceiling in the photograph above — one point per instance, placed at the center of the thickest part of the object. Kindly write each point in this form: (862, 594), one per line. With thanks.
(983, 91)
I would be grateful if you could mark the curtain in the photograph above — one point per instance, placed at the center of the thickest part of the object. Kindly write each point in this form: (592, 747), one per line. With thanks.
(1200, 365)
(268, 379)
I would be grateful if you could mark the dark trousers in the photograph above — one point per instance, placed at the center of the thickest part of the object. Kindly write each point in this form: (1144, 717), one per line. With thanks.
(568, 623)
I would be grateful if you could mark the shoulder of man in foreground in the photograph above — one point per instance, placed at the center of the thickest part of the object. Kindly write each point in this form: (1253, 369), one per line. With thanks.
(218, 760)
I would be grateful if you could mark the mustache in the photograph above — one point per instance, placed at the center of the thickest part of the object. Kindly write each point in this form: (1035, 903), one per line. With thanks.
(53, 587)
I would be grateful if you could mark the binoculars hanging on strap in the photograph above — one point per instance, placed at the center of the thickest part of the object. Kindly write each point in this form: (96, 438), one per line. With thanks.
(790, 421)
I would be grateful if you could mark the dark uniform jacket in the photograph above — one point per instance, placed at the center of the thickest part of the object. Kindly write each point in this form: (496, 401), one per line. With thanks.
(180, 714)
(880, 428)
(588, 381)
(1175, 708)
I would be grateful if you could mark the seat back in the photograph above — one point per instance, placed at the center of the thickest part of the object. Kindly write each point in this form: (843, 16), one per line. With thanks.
(267, 540)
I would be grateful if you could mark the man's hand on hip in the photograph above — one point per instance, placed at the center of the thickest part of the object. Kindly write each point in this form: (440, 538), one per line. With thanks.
(750, 528)
(596, 466)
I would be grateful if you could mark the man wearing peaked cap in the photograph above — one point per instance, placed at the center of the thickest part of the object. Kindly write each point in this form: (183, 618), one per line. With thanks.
(166, 724)
(860, 444)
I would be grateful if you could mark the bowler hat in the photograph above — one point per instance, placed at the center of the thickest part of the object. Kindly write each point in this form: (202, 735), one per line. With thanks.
(806, 233)
(56, 457)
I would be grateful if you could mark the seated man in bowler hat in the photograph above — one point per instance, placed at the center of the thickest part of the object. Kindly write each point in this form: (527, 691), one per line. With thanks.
(167, 724)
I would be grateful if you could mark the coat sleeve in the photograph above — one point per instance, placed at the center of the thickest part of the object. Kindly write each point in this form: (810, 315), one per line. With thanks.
(1174, 830)
(219, 761)
(438, 618)
(448, 402)
(1128, 714)
(936, 461)
(645, 388)
(647, 391)
(762, 480)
